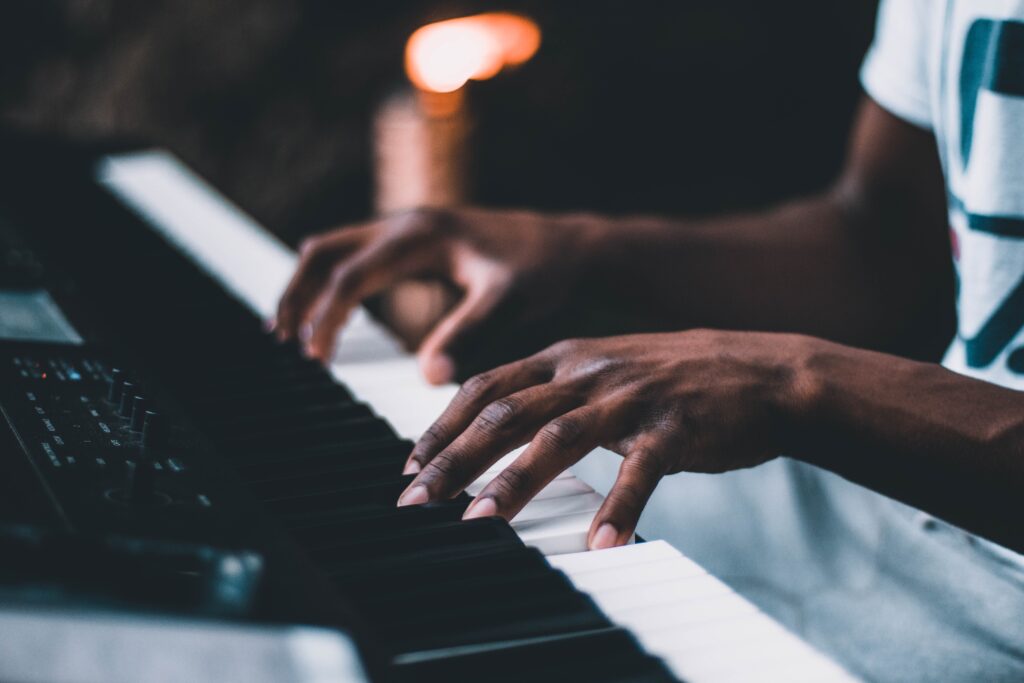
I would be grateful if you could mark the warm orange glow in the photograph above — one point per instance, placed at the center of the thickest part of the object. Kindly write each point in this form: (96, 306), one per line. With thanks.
(441, 57)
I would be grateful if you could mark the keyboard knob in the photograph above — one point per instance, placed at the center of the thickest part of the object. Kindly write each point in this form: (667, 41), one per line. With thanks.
(154, 433)
(127, 397)
(115, 386)
(138, 414)
(139, 481)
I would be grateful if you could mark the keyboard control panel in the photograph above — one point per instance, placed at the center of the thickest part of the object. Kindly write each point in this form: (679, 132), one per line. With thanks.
(104, 445)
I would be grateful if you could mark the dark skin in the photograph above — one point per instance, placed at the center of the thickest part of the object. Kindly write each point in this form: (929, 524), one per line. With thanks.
(866, 264)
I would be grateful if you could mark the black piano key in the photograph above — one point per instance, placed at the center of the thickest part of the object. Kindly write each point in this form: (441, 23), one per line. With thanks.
(271, 436)
(391, 454)
(382, 521)
(505, 561)
(348, 514)
(239, 377)
(352, 572)
(462, 587)
(230, 402)
(380, 493)
(325, 482)
(346, 509)
(604, 656)
(516, 618)
(408, 541)
(221, 407)
(294, 416)
(297, 452)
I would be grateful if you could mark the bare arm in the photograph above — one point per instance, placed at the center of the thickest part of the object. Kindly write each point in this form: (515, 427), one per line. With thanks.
(937, 440)
(712, 401)
(867, 263)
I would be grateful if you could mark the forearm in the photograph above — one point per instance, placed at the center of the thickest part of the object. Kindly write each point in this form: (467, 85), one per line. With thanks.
(750, 271)
(866, 263)
(942, 442)
(826, 266)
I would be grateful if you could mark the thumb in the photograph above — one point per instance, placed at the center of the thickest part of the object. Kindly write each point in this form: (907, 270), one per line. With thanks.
(463, 322)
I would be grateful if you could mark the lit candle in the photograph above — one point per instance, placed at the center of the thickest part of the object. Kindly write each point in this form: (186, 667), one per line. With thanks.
(420, 136)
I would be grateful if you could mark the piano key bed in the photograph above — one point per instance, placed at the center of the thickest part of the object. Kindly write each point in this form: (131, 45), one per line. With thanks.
(444, 598)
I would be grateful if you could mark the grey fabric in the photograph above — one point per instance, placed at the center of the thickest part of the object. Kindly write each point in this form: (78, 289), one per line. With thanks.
(890, 593)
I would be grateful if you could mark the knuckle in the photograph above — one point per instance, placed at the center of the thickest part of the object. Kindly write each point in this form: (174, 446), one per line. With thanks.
(562, 432)
(643, 465)
(561, 348)
(423, 220)
(500, 413)
(444, 466)
(701, 336)
(567, 347)
(436, 434)
(310, 246)
(343, 279)
(512, 481)
(477, 386)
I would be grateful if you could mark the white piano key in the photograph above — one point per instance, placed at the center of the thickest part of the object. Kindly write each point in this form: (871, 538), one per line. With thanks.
(565, 485)
(203, 223)
(556, 535)
(556, 507)
(674, 613)
(762, 660)
(711, 637)
(614, 557)
(396, 391)
(497, 469)
(613, 577)
(640, 596)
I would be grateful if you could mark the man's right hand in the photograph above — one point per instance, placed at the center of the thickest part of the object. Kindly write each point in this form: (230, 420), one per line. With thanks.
(517, 271)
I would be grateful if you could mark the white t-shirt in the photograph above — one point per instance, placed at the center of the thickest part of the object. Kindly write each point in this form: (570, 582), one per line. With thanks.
(956, 67)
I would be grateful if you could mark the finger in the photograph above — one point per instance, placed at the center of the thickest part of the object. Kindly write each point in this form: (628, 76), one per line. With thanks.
(377, 266)
(560, 444)
(437, 360)
(475, 393)
(501, 427)
(639, 474)
(317, 257)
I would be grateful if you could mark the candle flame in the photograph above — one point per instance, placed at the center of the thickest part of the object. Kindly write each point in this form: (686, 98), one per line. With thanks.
(441, 57)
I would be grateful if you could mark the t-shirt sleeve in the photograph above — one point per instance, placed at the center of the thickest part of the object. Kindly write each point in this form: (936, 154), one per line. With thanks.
(895, 70)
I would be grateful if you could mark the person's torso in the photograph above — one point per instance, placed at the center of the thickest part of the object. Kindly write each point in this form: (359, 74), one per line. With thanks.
(976, 87)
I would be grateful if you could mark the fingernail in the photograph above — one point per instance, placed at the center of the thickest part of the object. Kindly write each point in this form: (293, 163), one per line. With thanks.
(306, 332)
(269, 324)
(412, 467)
(605, 537)
(438, 369)
(417, 495)
(481, 507)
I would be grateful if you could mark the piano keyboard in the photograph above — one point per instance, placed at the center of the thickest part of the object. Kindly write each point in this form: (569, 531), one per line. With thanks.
(695, 623)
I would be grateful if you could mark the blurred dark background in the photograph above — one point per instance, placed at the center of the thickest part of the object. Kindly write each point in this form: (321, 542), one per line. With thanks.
(629, 106)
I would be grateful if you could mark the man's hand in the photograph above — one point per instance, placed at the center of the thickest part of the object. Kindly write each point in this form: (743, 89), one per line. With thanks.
(700, 401)
(515, 270)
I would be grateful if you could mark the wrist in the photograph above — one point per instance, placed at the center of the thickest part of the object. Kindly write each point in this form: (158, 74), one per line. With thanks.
(801, 398)
(621, 241)
(590, 236)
